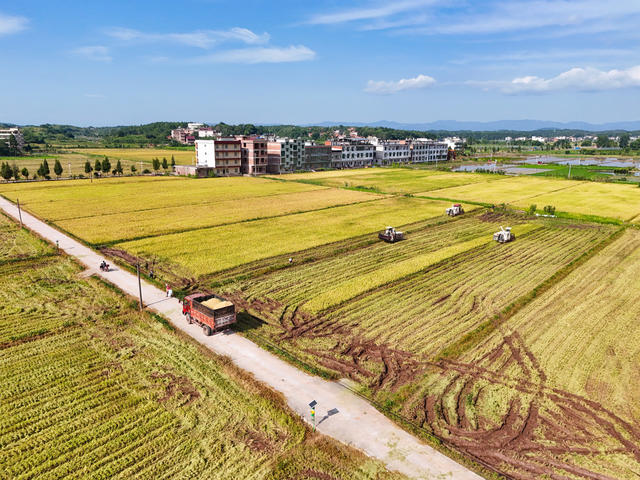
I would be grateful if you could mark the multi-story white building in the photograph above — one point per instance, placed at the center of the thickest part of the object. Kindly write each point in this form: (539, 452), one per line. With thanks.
(194, 126)
(5, 136)
(207, 132)
(354, 154)
(392, 151)
(285, 153)
(424, 150)
(224, 156)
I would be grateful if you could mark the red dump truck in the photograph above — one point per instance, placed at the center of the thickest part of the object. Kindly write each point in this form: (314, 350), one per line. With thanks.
(211, 312)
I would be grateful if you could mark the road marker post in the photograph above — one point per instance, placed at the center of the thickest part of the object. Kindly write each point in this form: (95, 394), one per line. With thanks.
(19, 211)
(313, 413)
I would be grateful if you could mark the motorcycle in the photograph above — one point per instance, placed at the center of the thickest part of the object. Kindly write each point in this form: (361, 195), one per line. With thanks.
(104, 266)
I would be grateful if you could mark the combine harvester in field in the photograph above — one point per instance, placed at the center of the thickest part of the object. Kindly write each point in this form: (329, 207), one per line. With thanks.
(504, 236)
(211, 312)
(455, 210)
(391, 235)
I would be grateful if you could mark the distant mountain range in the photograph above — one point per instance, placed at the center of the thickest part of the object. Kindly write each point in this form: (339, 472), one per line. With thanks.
(516, 125)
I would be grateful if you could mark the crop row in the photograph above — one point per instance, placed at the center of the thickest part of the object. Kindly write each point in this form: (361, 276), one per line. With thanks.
(584, 331)
(424, 313)
(16, 243)
(219, 248)
(297, 284)
(106, 197)
(162, 220)
(395, 181)
(120, 396)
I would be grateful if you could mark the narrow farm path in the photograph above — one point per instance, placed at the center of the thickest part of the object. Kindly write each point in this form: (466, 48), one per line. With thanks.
(341, 414)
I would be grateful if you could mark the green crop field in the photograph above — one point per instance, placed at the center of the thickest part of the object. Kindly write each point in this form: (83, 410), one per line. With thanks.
(89, 388)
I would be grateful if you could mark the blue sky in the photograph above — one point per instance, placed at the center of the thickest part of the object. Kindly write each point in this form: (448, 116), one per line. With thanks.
(124, 62)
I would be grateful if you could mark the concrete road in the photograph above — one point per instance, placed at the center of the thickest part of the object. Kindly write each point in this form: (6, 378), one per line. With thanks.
(340, 413)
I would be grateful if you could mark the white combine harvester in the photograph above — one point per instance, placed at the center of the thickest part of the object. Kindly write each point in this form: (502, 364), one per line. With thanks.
(504, 236)
(455, 210)
(391, 235)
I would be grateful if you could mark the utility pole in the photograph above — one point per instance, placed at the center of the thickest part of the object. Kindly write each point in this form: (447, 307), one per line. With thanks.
(139, 285)
(569, 177)
(19, 211)
(69, 169)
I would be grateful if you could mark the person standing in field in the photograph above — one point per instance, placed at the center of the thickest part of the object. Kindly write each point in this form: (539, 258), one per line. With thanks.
(166, 288)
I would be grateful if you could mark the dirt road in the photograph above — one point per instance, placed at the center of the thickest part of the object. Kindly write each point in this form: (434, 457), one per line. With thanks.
(340, 413)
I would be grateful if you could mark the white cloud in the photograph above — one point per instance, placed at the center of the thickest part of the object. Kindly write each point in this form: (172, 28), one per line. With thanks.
(293, 53)
(97, 53)
(198, 38)
(385, 88)
(579, 79)
(518, 16)
(11, 24)
(381, 10)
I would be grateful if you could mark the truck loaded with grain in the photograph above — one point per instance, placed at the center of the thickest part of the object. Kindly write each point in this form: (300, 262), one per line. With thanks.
(211, 312)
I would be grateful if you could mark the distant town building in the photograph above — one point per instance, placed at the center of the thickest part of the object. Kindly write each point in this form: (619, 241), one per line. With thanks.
(183, 135)
(207, 132)
(316, 157)
(354, 153)
(5, 136)
(425, 150)
(392, 151)
(222, 155)
(253, 154)
(287, 153)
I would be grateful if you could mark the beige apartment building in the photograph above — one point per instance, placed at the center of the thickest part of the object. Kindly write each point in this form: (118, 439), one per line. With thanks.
(254, 155)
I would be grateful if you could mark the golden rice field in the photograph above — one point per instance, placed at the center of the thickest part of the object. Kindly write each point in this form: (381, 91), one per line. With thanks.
(593, 198)
(560, 377)
(19, 244)
(214, 249)
(504, 190)
(83, 198)
(89, 388)
(392, 180)
(522, 355)
(118, 227)
(145, 155)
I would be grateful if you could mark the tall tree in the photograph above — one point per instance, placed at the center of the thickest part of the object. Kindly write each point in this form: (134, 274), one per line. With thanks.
(625, 138)
(45, 168)
(119, 167)
(87, 167)
(156, 164)
(97, 166)
(57, 168)
(106, 165)
(165, 165)
(14, 148)
(5, 171)
(15, 171)
(173, 161)
(25, 173)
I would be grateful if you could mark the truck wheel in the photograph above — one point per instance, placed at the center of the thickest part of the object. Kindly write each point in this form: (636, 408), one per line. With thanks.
(207, 330)
(189, 319)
